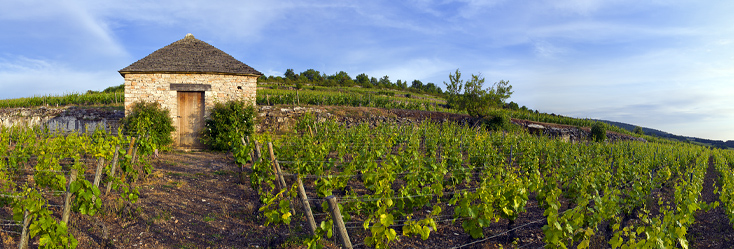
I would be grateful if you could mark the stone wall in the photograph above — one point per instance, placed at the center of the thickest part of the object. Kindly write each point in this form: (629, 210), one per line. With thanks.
(64, 119)
(156, 87)
(283, 119)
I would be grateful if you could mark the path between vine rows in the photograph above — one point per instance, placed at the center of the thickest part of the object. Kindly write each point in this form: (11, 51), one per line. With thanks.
(195, 200)
(712, 228)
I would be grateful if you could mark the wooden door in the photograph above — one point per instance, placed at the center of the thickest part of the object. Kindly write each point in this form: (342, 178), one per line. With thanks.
(190, 119)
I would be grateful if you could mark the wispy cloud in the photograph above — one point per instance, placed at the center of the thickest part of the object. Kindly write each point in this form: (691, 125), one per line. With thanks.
(23, 77)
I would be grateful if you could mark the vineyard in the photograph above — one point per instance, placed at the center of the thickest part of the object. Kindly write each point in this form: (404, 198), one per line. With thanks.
(364, 98)
(431, 185)
(45, 176)
(391, 182)
(92, 98)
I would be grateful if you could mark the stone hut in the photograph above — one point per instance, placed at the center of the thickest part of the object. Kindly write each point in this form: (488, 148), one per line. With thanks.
(188, 77)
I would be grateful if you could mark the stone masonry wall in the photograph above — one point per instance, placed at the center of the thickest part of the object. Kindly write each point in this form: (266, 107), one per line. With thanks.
(155, 87)
(63, 119)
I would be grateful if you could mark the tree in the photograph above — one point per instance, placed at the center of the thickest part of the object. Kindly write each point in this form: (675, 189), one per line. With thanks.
(312, 75)
(417, 85)
(401, 84)
(342, 78)
(638, 130)
(302, 79)
(500, 92)
(476, 100)
(431, 88)
(289, 74)
(513, 106)
(453, 90)
(385, 81)
(374, 82)
(599, 132)
(363, 80)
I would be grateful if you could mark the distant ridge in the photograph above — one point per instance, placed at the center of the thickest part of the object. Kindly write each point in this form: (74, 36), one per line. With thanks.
(662, 134)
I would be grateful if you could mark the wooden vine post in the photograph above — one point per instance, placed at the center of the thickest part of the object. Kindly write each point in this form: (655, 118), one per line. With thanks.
(306, 205)
(23, 244)
(336, 215)
(258, 151)
(276, 166)
(98, 173)
(130, 149)
(67, 198)
(274, 161)
(113, 168)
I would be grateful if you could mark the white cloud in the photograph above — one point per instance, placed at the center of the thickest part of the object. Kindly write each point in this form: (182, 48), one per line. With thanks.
(25, 77)
(63, 23)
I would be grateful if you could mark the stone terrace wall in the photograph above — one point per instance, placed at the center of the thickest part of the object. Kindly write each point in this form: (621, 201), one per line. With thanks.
(282, 119)
(156, 87)
(64, 119)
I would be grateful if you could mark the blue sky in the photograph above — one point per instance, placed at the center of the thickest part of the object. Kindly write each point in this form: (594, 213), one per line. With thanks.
(666, 64)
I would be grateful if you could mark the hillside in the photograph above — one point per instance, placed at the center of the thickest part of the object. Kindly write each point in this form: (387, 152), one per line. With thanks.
(666, 135)
(406, 99)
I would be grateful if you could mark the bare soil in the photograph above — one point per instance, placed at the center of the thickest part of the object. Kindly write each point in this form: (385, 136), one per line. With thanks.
(198, 200)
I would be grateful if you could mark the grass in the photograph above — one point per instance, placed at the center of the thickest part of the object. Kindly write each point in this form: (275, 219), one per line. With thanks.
(210, 217)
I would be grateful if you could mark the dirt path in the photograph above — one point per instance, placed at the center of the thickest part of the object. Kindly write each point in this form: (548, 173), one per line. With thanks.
(191, 200)
(712, 228)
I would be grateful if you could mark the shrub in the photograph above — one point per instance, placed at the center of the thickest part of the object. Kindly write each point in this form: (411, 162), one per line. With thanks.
(497, 121)
(599, 132)
(112, 89)
(228, 123)
(151, 124)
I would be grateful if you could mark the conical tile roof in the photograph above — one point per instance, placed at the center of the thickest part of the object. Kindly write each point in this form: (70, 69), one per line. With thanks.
(189, 55)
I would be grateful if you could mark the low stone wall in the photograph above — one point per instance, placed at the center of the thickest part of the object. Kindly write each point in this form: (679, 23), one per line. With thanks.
(281, 119)
(64, 119)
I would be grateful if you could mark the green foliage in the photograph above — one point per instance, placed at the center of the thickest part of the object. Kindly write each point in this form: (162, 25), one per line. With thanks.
(497, 121)
(599, 132)
(276, 209)
(638, 130)
(48, 149)
(453, 91)
(112, 89)
(151, 124)
(289, 74)
(86, 197)
(51, 233)
(89, 98)
(578, 187)
(228, 123)
(476, 100)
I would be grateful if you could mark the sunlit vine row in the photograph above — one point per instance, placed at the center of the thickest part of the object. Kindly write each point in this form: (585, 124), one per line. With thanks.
(38, 153)
(390, 172)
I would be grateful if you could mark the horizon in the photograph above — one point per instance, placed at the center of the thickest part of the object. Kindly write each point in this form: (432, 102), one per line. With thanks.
(662, 65)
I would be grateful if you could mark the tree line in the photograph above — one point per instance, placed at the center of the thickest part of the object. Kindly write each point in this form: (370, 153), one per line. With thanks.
(461, 95)
(341, 78)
